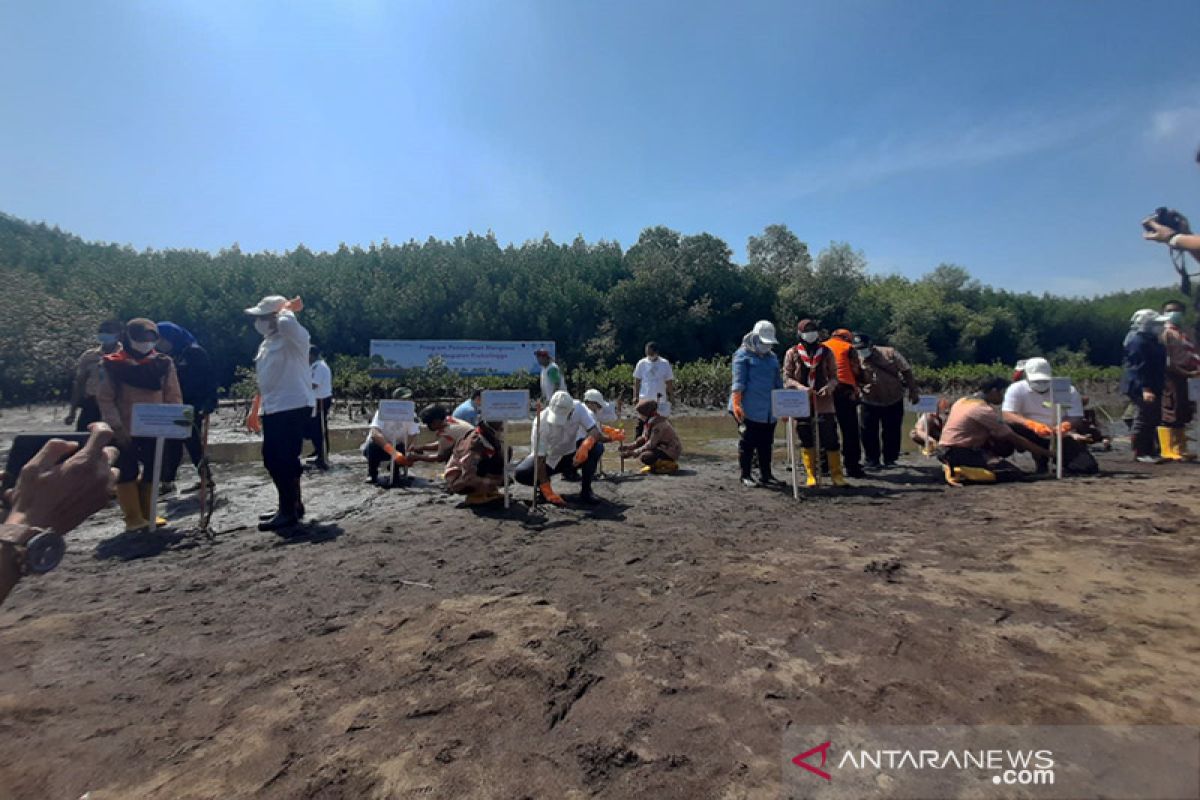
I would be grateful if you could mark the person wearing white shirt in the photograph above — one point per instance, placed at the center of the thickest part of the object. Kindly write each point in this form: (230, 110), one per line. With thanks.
(1029, 410)
(653, 379)
(284, 403)
(387, 441)
(601, 409)
(318, 425)
(565, 434)
(552, 379)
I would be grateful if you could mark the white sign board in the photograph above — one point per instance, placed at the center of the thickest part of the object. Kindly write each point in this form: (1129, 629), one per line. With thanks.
(397, 410)
(390, 357)
(504, 404)
(792, 403)
(926, 404)
(1060, 390)
(161, 421)
(1193, 388)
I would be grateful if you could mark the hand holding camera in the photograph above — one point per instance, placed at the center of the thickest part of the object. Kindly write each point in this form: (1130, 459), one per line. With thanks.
(1163, 224)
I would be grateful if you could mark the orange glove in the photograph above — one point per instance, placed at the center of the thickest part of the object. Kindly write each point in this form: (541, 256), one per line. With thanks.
(614, 434)
(1045, 431)
(739, 413)
(1065, 427)
(295, 305)
(585, 449)
(397, 456)
(253, 421)
(550, 495)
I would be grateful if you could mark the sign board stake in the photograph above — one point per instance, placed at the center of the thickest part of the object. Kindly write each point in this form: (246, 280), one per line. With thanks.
(1058, 467)
(505, 405)
(791, 439)
(537, 445)
(158, 458)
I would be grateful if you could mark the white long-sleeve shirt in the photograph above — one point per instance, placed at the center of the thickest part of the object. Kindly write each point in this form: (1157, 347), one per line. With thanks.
(283, 371)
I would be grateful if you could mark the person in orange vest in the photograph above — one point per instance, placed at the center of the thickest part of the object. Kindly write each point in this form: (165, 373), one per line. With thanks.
(845, 399)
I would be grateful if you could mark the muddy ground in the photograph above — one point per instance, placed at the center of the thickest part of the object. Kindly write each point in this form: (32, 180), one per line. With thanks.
(402, 646)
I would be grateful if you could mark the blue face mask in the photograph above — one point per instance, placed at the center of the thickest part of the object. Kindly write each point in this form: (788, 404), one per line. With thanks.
(106, 339)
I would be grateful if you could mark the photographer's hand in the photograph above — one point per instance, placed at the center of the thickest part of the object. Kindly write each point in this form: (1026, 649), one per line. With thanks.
(1158, 233)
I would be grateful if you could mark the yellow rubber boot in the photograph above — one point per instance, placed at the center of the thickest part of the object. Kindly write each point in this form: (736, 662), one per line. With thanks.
(808, 456)
(835, 467)
(975, 474)
(130, 501)
(1166, 443)
(1180, 442)
(144, 498)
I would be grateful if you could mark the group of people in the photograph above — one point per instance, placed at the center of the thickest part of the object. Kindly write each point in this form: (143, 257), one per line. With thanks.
(567, 437)
(857, 391)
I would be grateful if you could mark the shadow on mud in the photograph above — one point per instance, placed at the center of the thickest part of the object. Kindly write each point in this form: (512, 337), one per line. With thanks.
(130, 545)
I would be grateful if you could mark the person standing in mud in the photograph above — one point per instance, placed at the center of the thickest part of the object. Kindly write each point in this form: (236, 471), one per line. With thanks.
(198, 382)
(755, 375)
(136, 373)
(1183, 362)
(284, 404)
(87, 376)
(812, 366)
(1142, 382)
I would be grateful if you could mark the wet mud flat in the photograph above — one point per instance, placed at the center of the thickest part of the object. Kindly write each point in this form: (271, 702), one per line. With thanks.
(402, 646)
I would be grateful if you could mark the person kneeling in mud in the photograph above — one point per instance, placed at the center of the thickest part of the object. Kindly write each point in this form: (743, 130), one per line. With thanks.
(387, 442)
(564, 435)
(976, 441)
(449, 432)
(928, 428)
(658, 448)
(476, 466)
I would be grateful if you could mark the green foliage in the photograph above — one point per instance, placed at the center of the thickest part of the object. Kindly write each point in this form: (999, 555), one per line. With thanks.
(598, 303)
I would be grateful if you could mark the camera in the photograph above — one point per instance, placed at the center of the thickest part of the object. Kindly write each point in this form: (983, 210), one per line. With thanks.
(1168, 218)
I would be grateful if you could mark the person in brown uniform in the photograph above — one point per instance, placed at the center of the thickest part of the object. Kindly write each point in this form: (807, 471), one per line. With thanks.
(1183, 362)
(811, 365)
(659, 447)
(886, 378)
(87, 376)
(136, 373)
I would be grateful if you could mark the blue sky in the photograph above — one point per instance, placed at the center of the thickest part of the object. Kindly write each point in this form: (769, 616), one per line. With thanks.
(1022, 140)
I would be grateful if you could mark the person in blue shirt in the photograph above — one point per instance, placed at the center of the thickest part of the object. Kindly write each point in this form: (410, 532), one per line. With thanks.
(755, 375)
(1142, 382)
(468, 410)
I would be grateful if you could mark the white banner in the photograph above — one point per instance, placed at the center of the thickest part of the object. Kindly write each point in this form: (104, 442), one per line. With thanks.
(463, 356)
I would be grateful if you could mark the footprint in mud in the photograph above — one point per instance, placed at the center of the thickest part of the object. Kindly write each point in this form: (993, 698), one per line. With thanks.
(887, 569)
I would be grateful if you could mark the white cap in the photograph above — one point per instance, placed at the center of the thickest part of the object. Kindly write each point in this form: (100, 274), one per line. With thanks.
(271, 304)
(1038, 369)
(765, 332)
(1144, 318)
(561, 406)
(593, 396)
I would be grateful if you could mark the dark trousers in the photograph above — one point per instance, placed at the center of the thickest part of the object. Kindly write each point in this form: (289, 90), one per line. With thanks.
(283, 440)
(757, 440)
(891, 420)
(845, 408)
(317, 429)
(826, 426)
(652, 457)
(376, 456)
(526, 471)
(1146, 419)
(173, 453)
(89, 412)
(137, 456)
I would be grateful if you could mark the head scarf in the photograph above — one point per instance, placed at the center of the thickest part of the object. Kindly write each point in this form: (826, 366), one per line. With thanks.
(179, 337)
(127, 367)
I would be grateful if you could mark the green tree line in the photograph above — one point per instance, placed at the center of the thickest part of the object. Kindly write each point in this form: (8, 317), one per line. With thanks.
(600, 303)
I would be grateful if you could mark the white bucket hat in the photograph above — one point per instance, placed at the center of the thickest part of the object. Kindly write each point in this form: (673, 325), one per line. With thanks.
(561, 406)
(1038, 369)
(271, 304)
(765, 332)
(593, 396)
